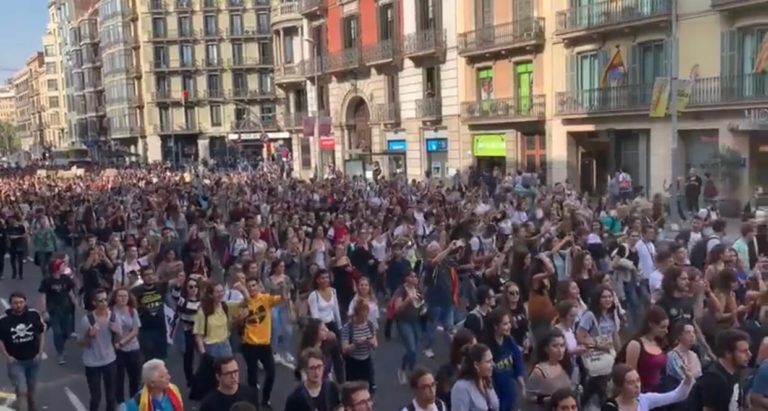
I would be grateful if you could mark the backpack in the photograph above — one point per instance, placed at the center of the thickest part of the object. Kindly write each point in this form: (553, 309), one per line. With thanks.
(473, 313)
(698, 255)
(695, 402)
(112, 319)
(438, 403)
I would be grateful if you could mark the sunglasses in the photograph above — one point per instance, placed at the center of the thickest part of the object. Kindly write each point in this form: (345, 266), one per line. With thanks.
(101, 300)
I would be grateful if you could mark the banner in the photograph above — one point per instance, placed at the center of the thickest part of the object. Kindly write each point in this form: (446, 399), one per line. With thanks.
(762, 58)
(614, 71)
(660, 97)
(684, 89)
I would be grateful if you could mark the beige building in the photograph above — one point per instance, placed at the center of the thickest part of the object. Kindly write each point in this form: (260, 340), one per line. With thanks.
(53, 98)
(7, 104)
(207, 78)
(29, 121)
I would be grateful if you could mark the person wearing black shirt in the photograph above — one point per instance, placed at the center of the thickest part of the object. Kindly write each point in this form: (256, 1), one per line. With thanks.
(17, 235)
(97, 271)
(475, 320)
(3, 245)
(58, 301)
(315, 393)
(229, 390)
(150, 297)
(718, 389)
(21, 334)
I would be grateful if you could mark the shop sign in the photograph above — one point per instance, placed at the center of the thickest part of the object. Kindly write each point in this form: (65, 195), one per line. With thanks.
(435, 145)
(490, 145)
(396, 145)
(757, 116)
(327, 143)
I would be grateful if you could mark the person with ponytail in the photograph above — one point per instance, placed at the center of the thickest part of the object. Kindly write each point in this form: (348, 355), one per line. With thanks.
(473, 391)
(157, 389)
(627, 391)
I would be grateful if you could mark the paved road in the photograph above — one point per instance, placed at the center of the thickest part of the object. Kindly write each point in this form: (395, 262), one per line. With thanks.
(63, 388)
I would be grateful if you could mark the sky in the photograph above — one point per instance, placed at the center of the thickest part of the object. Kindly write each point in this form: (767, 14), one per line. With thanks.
(22, 23)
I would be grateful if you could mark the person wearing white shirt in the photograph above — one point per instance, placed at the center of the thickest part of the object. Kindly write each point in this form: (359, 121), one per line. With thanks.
(628, 396)
(132, 264)
(646, 252)
(663, 262)
(423, 385)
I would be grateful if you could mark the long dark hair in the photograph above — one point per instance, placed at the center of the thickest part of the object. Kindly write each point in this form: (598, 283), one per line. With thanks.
(540, 353)
(492, 320)
(208, 300)
(472, 355)
(462, 337)
(594, 302)
(654, 315)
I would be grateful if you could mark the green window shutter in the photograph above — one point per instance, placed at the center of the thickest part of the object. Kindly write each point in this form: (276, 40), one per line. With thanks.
(571, 81)
(667, 57)
(633, 64)
(729, 56)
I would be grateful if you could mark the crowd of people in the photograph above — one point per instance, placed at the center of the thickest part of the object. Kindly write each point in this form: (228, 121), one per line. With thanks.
(546, 299)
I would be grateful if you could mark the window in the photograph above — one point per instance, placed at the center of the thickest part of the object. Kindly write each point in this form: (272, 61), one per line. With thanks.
(185, 26)
(265, 82)
(262, 23)
(164, 117)
(588, 71)
(214, 84)
(186, 54)
(431, 82)
(392, 88)
(216, 115)
(485, 84)
(240, 114)
(652, 61)
(211, 24)
(236, 24)
(534, 156)
(425, 14)
(212, 54)
(161, 56)
(239, 81)
(238, 56)
(188, 84)
(322, 97)
(265, 51)
(484, 13)
(317, 36)
(751, 42)
(386, 21)
(189, 117)
(162, 83)
(158, 27)
(306, 153)
(53, 102)
(49, 51)
(349, 31)
(50, 68)
(53, 85)
(267, 113)
(288, 48)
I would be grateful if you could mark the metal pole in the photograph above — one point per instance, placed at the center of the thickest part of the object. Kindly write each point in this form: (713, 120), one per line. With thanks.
(316, 134)
(673, 73)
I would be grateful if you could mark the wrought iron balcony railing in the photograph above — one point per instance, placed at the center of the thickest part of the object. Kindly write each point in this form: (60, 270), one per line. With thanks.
(385, 113)
(729, 90)
(343, 60)
(382, 52)
(610, 13)
(425, 42)
(624, 98)
(732, 4)
(429, 108)
(504, 109)
(250, 62)
(505, 36)
(284, 11)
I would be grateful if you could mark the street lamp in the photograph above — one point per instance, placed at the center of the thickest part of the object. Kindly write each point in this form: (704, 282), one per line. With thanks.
(316, 133)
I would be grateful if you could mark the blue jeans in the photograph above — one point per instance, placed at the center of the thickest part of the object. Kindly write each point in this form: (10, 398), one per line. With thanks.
(636, 295)
(60, 321)
(409, 336)
(23, 375)
(439, 316)
(281, 328)
(219, 350)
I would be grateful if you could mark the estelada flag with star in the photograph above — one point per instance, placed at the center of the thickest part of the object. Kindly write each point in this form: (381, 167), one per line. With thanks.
(614, 71)
(762, 57)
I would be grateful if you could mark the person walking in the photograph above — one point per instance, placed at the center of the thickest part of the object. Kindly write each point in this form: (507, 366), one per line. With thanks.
(21, 332)
(158, 393)
(97, 332)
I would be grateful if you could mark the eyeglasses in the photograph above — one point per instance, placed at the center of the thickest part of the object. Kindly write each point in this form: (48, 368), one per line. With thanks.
(231, 373)
(101, 300)
(430, 386)
(368, 402)
(317, 367)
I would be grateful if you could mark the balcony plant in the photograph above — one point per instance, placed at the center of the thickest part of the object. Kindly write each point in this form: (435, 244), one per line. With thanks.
(727, 166)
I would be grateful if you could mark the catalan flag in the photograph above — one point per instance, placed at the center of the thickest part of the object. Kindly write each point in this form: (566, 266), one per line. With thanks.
(614, 71)
(762, 57)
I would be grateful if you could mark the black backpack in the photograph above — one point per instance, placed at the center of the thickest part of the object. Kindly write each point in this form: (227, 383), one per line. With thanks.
(695, 401)
(699, 252)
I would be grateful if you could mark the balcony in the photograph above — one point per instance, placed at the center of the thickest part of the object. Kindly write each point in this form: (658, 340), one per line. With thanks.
(210, 5)
(183, 128)
(503, 110)
(611, 16)
(723, 5)
(173, 65)
(312, 8)
(383, 52)
(342, 61)
(241, 34)
(285, 12)
(429, 108)
(520, 35)
(246, 125)
(260, 3)
(171, 35)
(729, 91)
(425, 45)
(211, 63)
(313, 66)
(602, 101)
(210, 34)
(245, 63)
(287, 74)
(295, 121)
(184, 6)
(250, 95)
(157, 6)
(385, 113)
(212, 94)
(236, 4)
(178, 96)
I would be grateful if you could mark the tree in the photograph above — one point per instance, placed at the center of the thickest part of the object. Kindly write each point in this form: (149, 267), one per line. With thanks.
(9, 142)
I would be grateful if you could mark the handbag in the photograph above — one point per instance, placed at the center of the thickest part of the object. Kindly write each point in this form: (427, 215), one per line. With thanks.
(598, 363)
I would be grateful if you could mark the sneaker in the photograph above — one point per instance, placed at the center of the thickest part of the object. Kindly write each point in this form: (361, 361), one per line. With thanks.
(279, 359)
(62, 360)
(266, 405)
(289, 361)
(429, 353)
(402, 378)
(439, 328)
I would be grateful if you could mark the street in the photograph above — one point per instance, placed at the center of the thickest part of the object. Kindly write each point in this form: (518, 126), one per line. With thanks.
(63, 388)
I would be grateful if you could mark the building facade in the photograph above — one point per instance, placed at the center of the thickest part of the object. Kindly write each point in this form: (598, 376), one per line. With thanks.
(26, 83)
(7, 104)
(53, 100)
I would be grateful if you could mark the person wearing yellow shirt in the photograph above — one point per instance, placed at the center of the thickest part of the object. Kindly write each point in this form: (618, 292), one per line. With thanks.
(257, 335)
(212, 322)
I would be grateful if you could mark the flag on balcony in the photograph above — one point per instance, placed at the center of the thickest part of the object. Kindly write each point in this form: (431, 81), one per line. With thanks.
(184, 96)
(762, 58)
(614, 71)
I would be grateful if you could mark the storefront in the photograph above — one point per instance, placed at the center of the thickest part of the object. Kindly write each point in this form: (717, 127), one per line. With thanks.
(327, 148)
(490, 151)
(180, 149)
(437, 156)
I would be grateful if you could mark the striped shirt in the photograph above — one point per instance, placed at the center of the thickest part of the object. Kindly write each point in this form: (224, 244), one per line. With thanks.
(187, 310)
(359, 332)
